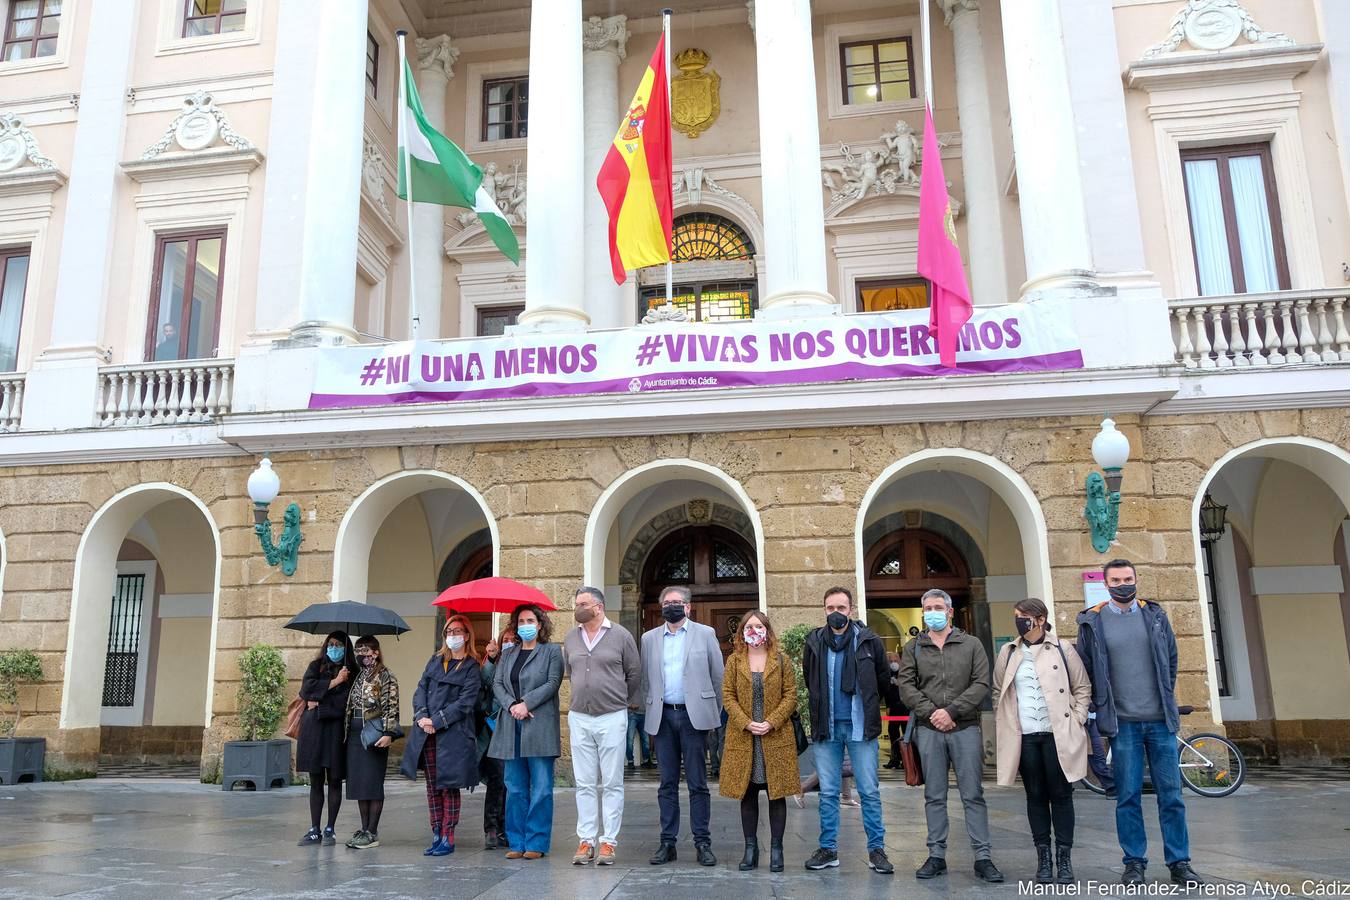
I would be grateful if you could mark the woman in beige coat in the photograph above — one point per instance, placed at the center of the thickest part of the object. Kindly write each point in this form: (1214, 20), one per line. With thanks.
(1041, 696)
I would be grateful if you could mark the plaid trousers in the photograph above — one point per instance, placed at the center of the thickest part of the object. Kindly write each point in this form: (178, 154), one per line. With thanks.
(442, 802)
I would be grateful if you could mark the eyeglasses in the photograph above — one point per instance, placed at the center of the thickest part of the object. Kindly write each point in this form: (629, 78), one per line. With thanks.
(458, 632)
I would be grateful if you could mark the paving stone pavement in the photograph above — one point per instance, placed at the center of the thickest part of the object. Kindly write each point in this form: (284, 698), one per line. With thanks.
(153, 840)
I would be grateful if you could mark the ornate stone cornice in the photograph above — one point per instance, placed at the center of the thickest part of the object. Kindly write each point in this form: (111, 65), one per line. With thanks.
(197, 127)
(952, 8)
(437, 54)
(1213, 25)
(18, 144)
(602, 34)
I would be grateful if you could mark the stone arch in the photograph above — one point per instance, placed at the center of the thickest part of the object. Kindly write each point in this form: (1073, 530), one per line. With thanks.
(361, 522)
(1011, 488)
(938, 524)
(671, 520)
(91, 601)
(633, 482)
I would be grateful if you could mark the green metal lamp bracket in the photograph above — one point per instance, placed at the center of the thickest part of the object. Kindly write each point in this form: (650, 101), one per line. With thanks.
(1102, 512)
(287, 551)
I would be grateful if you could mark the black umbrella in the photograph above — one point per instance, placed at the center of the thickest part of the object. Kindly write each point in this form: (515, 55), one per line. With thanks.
(354, 618)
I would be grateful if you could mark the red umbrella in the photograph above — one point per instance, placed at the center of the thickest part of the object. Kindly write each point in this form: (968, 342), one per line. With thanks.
(491, 595)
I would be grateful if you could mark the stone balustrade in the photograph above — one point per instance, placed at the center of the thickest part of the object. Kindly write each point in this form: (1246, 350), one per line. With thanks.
(176, 393)
(11, 401)
(1274, 329)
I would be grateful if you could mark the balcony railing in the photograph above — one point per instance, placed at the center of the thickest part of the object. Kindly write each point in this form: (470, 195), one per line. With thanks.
(177, 393)
(11, 401)
(1275, 329)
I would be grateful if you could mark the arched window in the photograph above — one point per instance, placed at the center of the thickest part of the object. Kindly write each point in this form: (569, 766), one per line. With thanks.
(714, 271)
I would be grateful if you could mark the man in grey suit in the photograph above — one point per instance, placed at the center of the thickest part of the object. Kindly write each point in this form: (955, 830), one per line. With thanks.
(682, 689)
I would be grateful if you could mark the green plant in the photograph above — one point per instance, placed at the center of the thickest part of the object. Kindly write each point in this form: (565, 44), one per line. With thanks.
(16, 666)
(262, 691)
(67, 774)
(794, 641)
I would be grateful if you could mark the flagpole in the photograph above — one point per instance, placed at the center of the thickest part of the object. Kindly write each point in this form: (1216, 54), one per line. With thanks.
(665, 34)
(408, 174)
(927, 53)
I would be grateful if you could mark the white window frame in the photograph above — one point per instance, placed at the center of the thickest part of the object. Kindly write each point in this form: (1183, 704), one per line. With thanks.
(58, 60)
(134, 715)
(169, 39)
(476, 74)
(386, 84)
(873, 29)
(25, 219)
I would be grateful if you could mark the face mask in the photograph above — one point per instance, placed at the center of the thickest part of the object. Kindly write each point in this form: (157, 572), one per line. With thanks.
(836, 620)
(673, 613)
(935, 619)
(754, 637)
(1122, 593)
(366, 661)
(337, 654)
(1023, 624)
(527, 632)
(455, 641)
(895, 667)
(583, 614)
(507, 646)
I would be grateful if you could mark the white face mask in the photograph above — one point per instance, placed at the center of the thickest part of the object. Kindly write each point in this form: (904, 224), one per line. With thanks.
(455, 642)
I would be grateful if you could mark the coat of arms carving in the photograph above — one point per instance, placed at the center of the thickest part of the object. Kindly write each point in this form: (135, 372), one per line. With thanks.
(695, 94)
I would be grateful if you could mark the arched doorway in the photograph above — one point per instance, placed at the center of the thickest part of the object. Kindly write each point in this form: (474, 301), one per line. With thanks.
(469, 561)
(718, 567)
(908, 561)
(713, 271)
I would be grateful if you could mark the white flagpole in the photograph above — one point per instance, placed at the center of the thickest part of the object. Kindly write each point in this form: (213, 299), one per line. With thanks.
(665, 31)
(927, 53)
(408, 174)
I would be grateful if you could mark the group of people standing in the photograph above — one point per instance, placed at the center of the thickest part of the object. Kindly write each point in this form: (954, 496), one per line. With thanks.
(497, 711)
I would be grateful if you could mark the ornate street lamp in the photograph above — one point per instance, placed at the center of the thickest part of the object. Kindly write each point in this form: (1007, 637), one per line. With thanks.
(1111, 450)
(1213, 520)
(263, 487)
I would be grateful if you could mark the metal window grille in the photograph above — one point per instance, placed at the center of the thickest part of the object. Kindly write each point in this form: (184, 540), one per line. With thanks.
(124, 641)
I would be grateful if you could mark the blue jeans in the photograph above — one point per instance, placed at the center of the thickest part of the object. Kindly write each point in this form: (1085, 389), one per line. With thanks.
(635, 730)
(864, 755)
(529, 801)
(1132, 741)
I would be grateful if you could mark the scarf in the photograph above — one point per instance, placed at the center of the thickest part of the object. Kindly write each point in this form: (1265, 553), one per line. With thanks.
(847, 671)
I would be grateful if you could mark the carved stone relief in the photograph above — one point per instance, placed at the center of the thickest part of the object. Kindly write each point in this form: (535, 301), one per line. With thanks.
(197, 127)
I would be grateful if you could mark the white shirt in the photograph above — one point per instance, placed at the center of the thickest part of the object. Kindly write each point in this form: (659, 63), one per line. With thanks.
(672, 662)
(605, 625)
(1032, 711)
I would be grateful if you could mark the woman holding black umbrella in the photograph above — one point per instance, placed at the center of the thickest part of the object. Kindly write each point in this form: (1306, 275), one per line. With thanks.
(372, 725)
(320, 750)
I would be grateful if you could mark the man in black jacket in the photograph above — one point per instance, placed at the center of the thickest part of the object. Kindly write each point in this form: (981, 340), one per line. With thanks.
(846, 671)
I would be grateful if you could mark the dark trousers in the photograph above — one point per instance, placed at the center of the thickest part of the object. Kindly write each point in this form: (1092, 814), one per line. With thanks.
(679, 741)
(1049, 794)
(893, 732)
(1097, 758)
(494, 799)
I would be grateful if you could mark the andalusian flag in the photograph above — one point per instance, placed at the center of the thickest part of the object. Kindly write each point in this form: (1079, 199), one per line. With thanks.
(442, 174)
(635, 180)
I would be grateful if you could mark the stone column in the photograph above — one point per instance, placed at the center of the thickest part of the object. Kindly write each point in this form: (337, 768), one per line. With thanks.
(554, 282)
(63, 385)
(604, 42)
(789, 149)
(1054, 219)
(1334, 19)
(984, 226)
(435, 67)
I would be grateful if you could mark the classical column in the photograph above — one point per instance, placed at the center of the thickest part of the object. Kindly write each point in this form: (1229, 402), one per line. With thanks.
(1334, 19)
(984, 226)
(789, 149)
(435, 67)
(604, 43)
(554, 282)
(1050, 193)
(63, 385)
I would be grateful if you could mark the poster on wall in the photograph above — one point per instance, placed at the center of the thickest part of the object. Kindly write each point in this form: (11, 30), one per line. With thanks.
(1094, 589)
(1017, 337)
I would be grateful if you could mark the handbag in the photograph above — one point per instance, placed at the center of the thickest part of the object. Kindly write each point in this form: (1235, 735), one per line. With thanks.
(372, 731)
(909, 755)
(294, 712)
(799, 732)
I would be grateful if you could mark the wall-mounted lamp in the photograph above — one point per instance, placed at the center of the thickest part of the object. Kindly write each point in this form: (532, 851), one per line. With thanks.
(263, 487)
(1111, 450)
(1213, 520)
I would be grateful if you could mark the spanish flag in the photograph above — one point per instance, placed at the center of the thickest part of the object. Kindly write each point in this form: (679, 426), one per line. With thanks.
(635, 180)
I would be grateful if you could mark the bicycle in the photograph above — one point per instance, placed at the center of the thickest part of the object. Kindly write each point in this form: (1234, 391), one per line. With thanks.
(1211, 765)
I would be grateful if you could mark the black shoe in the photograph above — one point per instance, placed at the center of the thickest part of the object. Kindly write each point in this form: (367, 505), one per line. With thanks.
(985, 870)
(823, 859)
(1183, 874)
(1045, 870)
(312, 838)
(329, 837)
(776, 856)
(648, 764)
(1110, 793)
(490, 840)
(893, 764)
(705, 855)
(1064, 865)
(877, 862)
(751, 858)
(932, 867)
(664, 854)
(1134, 874)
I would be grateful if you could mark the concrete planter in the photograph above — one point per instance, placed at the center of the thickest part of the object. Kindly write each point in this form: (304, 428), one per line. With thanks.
(21, 759)
(264, 764)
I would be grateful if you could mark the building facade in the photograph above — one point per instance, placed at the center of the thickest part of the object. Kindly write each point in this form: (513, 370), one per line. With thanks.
(198, 202)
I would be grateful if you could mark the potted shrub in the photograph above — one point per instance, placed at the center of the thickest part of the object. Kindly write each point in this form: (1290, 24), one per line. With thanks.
(20, 758)
(259, 759)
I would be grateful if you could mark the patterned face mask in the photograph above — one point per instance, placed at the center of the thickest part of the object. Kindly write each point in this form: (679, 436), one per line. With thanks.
(754, 637)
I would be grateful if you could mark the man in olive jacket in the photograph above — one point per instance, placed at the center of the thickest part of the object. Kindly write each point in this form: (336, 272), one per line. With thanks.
(944, 677)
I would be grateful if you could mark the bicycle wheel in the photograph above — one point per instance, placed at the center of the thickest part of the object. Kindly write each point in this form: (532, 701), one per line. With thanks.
(1212, 765)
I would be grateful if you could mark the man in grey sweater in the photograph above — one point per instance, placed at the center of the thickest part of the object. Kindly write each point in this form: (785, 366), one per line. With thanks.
(602, 662)
(1130, 653)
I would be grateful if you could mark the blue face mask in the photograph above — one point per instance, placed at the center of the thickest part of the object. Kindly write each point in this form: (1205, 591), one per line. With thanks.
(337, 654)
(935, 619)
(527, 632)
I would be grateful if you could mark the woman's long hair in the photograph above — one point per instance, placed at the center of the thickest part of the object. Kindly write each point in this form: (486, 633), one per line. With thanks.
(369, 640)
(470, 645)
(349, 661)
(771, 636)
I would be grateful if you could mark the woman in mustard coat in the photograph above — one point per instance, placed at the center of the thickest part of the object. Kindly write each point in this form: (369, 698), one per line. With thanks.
(759, 691)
